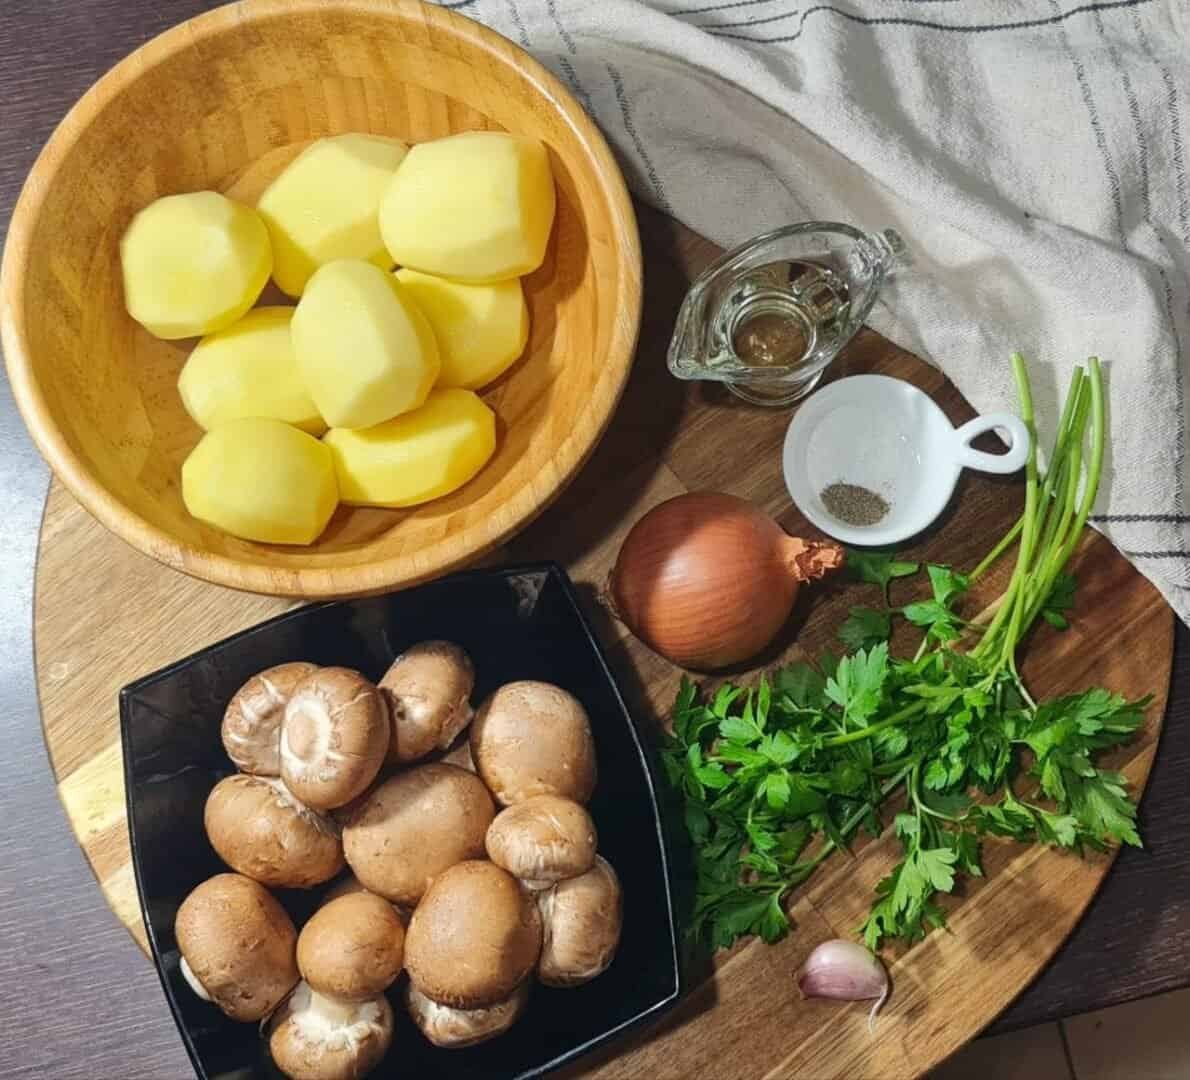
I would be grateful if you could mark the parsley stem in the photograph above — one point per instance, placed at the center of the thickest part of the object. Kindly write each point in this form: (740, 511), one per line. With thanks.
(1050, 489)
(1029, 530)
(1098, 425)
(1005, 543)
(867, 732)
(852, 823)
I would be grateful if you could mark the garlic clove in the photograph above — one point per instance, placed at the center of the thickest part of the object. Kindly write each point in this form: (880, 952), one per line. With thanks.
(844, 971)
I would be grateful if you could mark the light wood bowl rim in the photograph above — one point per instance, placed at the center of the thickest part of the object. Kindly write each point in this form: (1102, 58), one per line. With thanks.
(325, 581)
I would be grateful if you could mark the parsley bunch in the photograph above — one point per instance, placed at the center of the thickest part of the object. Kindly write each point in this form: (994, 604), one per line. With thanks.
(777, 777)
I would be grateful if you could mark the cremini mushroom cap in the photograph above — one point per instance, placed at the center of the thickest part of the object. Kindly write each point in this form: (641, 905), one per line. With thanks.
(414, 826)
(352, 947)
(334, 737)
(475, 937)
(252, 720)
(534, 738)
(427, 691)
(543, 839)
(581, 919)
(239, 945)
(259, 829)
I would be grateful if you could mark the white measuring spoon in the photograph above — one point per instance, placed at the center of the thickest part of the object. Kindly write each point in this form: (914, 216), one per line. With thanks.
(885, 435)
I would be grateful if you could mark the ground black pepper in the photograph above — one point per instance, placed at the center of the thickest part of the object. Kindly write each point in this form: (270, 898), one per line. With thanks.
(853, 504)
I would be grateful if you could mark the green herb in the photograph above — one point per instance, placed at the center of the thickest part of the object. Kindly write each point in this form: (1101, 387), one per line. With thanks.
(777, 777)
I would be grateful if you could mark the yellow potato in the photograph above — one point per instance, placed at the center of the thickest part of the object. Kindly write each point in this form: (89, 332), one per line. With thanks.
(193, 264)
(261, 480)
(476, 207)
(365, 351)
(324, 206)
(248, 370)
(481, 329)
(416, 457)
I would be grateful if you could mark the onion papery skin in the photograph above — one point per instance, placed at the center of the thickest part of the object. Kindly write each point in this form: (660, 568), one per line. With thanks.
(707, 580)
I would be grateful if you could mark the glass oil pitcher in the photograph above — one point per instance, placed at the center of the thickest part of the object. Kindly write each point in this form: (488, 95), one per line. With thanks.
(768, 317)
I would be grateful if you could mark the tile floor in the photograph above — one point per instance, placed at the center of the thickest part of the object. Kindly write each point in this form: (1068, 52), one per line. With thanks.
(1143, 1040)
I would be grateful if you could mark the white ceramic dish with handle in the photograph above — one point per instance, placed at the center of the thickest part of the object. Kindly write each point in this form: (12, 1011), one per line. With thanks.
(885, 435)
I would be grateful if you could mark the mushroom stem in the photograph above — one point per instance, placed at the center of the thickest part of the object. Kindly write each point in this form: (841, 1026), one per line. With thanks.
(192, 980)
(333, 1009)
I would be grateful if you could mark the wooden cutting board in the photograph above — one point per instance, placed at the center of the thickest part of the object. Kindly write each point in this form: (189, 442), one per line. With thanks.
(105, 615)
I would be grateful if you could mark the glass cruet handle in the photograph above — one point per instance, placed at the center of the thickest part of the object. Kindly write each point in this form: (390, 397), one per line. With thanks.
(887, 251)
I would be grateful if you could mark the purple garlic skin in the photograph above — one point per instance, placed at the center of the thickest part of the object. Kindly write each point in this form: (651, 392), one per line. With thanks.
(844, 971)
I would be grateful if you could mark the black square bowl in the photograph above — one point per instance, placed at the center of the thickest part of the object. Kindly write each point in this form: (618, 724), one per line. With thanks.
(518, 623)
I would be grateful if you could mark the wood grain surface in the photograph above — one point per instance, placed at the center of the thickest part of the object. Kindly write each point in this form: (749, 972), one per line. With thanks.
(80, 1002)
(668, 437)
(225, 102)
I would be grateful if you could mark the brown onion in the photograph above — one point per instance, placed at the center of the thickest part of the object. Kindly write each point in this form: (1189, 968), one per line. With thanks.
(707, 579)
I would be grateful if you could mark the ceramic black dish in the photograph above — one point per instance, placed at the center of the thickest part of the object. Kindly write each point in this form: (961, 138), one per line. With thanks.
(518, 623)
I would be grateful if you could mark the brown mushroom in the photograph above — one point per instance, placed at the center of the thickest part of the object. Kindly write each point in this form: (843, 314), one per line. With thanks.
(454, 1028)
(533, 738)
(252, 720)
(415, 825)
(427, 690)
(543, 839)
(314, 1037)
(238, 946)
(475, 937)
(258, 828)
(581, 919)
(352, 947)
(334, 737)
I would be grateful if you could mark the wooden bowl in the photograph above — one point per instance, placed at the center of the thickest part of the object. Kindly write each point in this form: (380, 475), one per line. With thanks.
(224, 101)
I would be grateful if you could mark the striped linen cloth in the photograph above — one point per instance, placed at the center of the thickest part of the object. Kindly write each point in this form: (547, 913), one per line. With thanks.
(1031, 152)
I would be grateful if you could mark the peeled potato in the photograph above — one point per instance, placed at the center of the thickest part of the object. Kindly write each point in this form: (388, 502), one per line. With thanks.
(416, 457)
(261, 480)
(476, 207)
(193, 264)
(248, 370)
(481, 329)
(324, 206)
(364, 349)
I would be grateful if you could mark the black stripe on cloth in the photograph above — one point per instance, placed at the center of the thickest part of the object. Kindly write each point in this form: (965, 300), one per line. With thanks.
(1142, 158)
(454, 5)
(751, 22)
(722, 7)
(552, 7)
(630, 127)
(1181, 184)
(889, 20)
(1155, 555)
(572, 78)
(1128, 519)
(521, 33)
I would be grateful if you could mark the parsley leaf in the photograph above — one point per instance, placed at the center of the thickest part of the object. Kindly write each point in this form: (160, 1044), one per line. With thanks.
(801, 685)
(865, 627)
(856, 684)
(947, 584)
(1059, 601)
(877, 567)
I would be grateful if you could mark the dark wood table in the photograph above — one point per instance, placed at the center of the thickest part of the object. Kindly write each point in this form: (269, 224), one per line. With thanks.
(77, 997)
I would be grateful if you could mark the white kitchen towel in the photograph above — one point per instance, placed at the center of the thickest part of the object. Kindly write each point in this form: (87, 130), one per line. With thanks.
(1032, 153)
